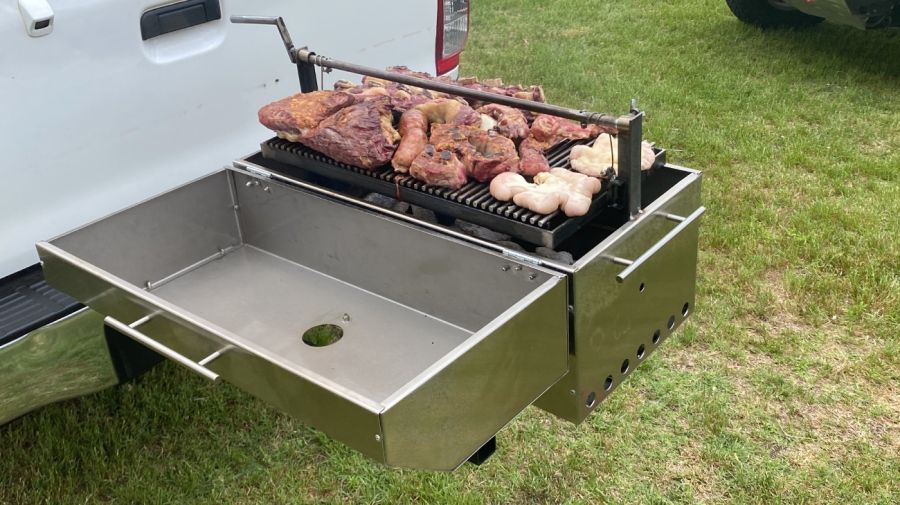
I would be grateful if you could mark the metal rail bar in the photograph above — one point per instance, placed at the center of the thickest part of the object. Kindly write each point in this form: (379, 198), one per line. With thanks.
(583, 116)
(130, 330)
(674, 232)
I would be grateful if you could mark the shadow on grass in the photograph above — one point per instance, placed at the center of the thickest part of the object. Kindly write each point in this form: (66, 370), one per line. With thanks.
(872, 55)
(168, 437)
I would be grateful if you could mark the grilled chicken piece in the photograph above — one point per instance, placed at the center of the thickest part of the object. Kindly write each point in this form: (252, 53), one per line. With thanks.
(359, 135)
(441, 168)
(511, 123)
(603, 156)
(294, 116)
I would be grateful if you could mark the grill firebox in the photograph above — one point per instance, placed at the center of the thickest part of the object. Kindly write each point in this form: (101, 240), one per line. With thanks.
(473, 202)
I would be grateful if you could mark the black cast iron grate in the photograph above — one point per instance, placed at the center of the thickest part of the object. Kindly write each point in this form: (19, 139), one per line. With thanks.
(473, 202)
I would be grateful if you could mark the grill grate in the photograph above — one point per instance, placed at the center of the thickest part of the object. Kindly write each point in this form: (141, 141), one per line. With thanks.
(472, 202)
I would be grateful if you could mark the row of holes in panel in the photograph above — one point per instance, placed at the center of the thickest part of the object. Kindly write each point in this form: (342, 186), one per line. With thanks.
(591, 400)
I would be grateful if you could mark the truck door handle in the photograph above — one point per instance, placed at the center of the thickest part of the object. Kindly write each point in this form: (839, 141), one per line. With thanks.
(178, 16)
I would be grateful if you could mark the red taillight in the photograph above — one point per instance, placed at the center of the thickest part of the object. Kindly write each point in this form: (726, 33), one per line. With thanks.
(452, 31)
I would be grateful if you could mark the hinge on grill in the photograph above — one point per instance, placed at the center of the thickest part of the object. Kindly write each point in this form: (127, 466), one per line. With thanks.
(258, 171)
(521, 257)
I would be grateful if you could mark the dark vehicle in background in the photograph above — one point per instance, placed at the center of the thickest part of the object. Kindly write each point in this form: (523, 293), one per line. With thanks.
(862, 14)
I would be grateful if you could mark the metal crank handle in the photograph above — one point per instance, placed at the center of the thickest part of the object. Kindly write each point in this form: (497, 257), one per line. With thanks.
(129, 329)
(266, 20)
(683, 223)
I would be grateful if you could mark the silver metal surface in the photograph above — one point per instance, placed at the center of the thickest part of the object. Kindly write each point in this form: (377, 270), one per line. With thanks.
(835, 11)
(64, 359)
(683, 224)
(618, 321)
(438, 420)
(583, 116)
(427, 321)
(278, 22)
(629, 157)
(130, 331)
(303, 55)
(245, 166)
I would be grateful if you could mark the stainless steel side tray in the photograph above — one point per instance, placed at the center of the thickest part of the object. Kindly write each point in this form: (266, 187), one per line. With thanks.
(412, 347)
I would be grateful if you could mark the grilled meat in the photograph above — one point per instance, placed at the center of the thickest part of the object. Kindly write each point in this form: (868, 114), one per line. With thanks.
(511, 123)
(402, 97)
(603, 156)
(531, 157)
(552, 129)
(449, 111)
(294, 116)
(559, 188)
(533, 93)
(414, 125)
(359, 135)
(438, 167)
(413, 137)
(484, 153)
(493, 154)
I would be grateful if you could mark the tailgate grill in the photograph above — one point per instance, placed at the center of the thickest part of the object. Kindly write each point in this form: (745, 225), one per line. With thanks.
(472, 202)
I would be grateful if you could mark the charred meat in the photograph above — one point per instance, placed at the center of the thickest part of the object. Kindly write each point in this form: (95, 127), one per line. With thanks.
(359, 135)
(293, 116)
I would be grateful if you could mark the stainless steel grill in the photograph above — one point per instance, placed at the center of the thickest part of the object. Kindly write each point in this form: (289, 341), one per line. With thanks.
(473, 202)
(444, 337)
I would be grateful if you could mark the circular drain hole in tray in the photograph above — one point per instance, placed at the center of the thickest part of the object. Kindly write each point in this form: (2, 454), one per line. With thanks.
(321, 335)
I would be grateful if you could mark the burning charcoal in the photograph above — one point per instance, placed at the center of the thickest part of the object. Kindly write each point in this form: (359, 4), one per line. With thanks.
(560, 256)
(380, 200)
(480, 231)
(401, 207)
(424, 214)
(511, 245)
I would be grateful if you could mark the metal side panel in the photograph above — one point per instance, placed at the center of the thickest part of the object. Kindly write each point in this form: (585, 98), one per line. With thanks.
(630, 293)
(455, 407)
(351, 422)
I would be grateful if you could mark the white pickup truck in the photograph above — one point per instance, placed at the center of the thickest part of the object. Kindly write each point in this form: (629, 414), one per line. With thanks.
(106, 103)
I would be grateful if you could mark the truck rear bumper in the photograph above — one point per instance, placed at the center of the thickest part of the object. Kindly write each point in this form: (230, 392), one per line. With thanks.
(61, 360)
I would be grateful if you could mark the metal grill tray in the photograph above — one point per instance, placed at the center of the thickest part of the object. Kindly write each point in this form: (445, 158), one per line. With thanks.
(473, 202)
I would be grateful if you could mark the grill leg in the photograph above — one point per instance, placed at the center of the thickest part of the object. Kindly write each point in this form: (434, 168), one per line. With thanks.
(484, 452)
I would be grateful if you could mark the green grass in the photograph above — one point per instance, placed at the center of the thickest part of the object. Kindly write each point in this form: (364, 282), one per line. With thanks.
(783, 386)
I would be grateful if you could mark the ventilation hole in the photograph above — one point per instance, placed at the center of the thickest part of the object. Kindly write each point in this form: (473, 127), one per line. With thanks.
(591, 400)
(655, 337)
(640, 352)
(607, 384)
(685, 309)
(625, 365)
(322, 335)
(641, 287)
(671, 323)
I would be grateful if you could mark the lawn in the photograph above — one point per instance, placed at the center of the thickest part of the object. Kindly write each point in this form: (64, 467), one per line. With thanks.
(783, 387)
